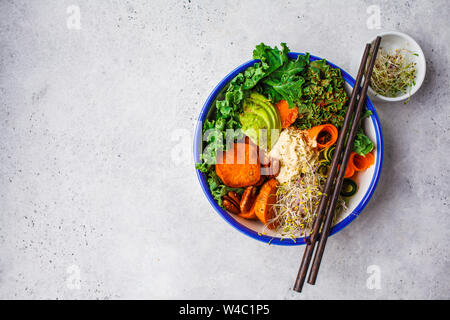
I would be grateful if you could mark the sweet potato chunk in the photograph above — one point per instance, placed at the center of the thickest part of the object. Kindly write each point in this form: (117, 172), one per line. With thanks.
(264, 202)
(239, 166)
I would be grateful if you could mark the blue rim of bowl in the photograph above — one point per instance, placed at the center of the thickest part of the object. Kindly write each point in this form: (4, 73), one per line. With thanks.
(249, 232)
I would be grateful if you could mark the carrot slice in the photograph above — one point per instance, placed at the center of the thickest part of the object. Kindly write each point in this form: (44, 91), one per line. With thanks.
(272, 169)
(288, 116)
(325, 135)
(243, 168)
(361, 163)
(349, 171)
(370, 159)
(358, 162)
(264, 202)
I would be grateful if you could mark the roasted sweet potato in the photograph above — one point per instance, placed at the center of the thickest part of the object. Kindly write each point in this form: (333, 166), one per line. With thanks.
(239, 166)
(264, 202)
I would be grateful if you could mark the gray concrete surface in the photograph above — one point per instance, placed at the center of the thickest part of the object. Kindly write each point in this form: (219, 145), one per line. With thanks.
(98, 195)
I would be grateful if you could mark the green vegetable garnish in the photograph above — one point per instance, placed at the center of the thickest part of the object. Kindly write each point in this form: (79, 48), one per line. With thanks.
(362, 145)
(329, 152)
(349, 188)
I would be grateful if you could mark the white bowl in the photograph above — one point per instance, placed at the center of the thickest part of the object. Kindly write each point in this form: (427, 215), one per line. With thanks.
(366, 181)
(392, 40)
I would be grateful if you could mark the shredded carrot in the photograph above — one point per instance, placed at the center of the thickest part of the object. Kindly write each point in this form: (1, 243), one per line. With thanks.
(288, 116)
(325, 135)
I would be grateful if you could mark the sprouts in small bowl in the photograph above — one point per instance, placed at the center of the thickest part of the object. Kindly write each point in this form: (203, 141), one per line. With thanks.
(399, 69)
(394, 73)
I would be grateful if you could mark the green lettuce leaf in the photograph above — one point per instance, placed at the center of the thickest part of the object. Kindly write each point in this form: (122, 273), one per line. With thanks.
(362, 144)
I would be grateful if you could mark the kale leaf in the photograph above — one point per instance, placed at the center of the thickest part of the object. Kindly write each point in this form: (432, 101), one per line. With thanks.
(286, 82)
(323, 99)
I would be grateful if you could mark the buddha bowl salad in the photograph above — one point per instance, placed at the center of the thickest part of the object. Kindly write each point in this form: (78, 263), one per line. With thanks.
(269, 142)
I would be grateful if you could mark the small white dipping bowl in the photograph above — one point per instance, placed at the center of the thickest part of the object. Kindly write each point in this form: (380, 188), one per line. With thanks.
(392, 40)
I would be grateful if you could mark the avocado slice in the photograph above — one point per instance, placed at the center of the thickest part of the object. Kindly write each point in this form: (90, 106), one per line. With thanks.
(253, 120)
(254, 106)
(263, 101)
(251, 123)
(272, 110)
(258, 114)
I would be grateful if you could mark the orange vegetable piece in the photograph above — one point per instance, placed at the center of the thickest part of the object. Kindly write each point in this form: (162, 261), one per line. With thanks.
(325, 135)
(357, 162)
(264, 202)
(349, 171)
(361, 163)
(288, 116)
(248, 198)
(239, 166)
(370, 159)
(250, 214)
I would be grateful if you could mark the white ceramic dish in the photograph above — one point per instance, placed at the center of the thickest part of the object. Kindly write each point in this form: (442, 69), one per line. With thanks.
(392, 40)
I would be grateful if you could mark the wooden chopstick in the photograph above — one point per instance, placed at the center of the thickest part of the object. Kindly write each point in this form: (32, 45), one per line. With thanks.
(340, 178)
(301, 276)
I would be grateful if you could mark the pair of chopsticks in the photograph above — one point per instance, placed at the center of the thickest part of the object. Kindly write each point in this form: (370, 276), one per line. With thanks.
(333, 184)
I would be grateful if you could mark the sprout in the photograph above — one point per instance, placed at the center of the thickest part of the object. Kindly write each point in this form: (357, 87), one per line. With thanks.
(393, 73)
(297, 202)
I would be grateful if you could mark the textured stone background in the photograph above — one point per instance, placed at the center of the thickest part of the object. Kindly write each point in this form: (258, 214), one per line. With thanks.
(96, 127)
